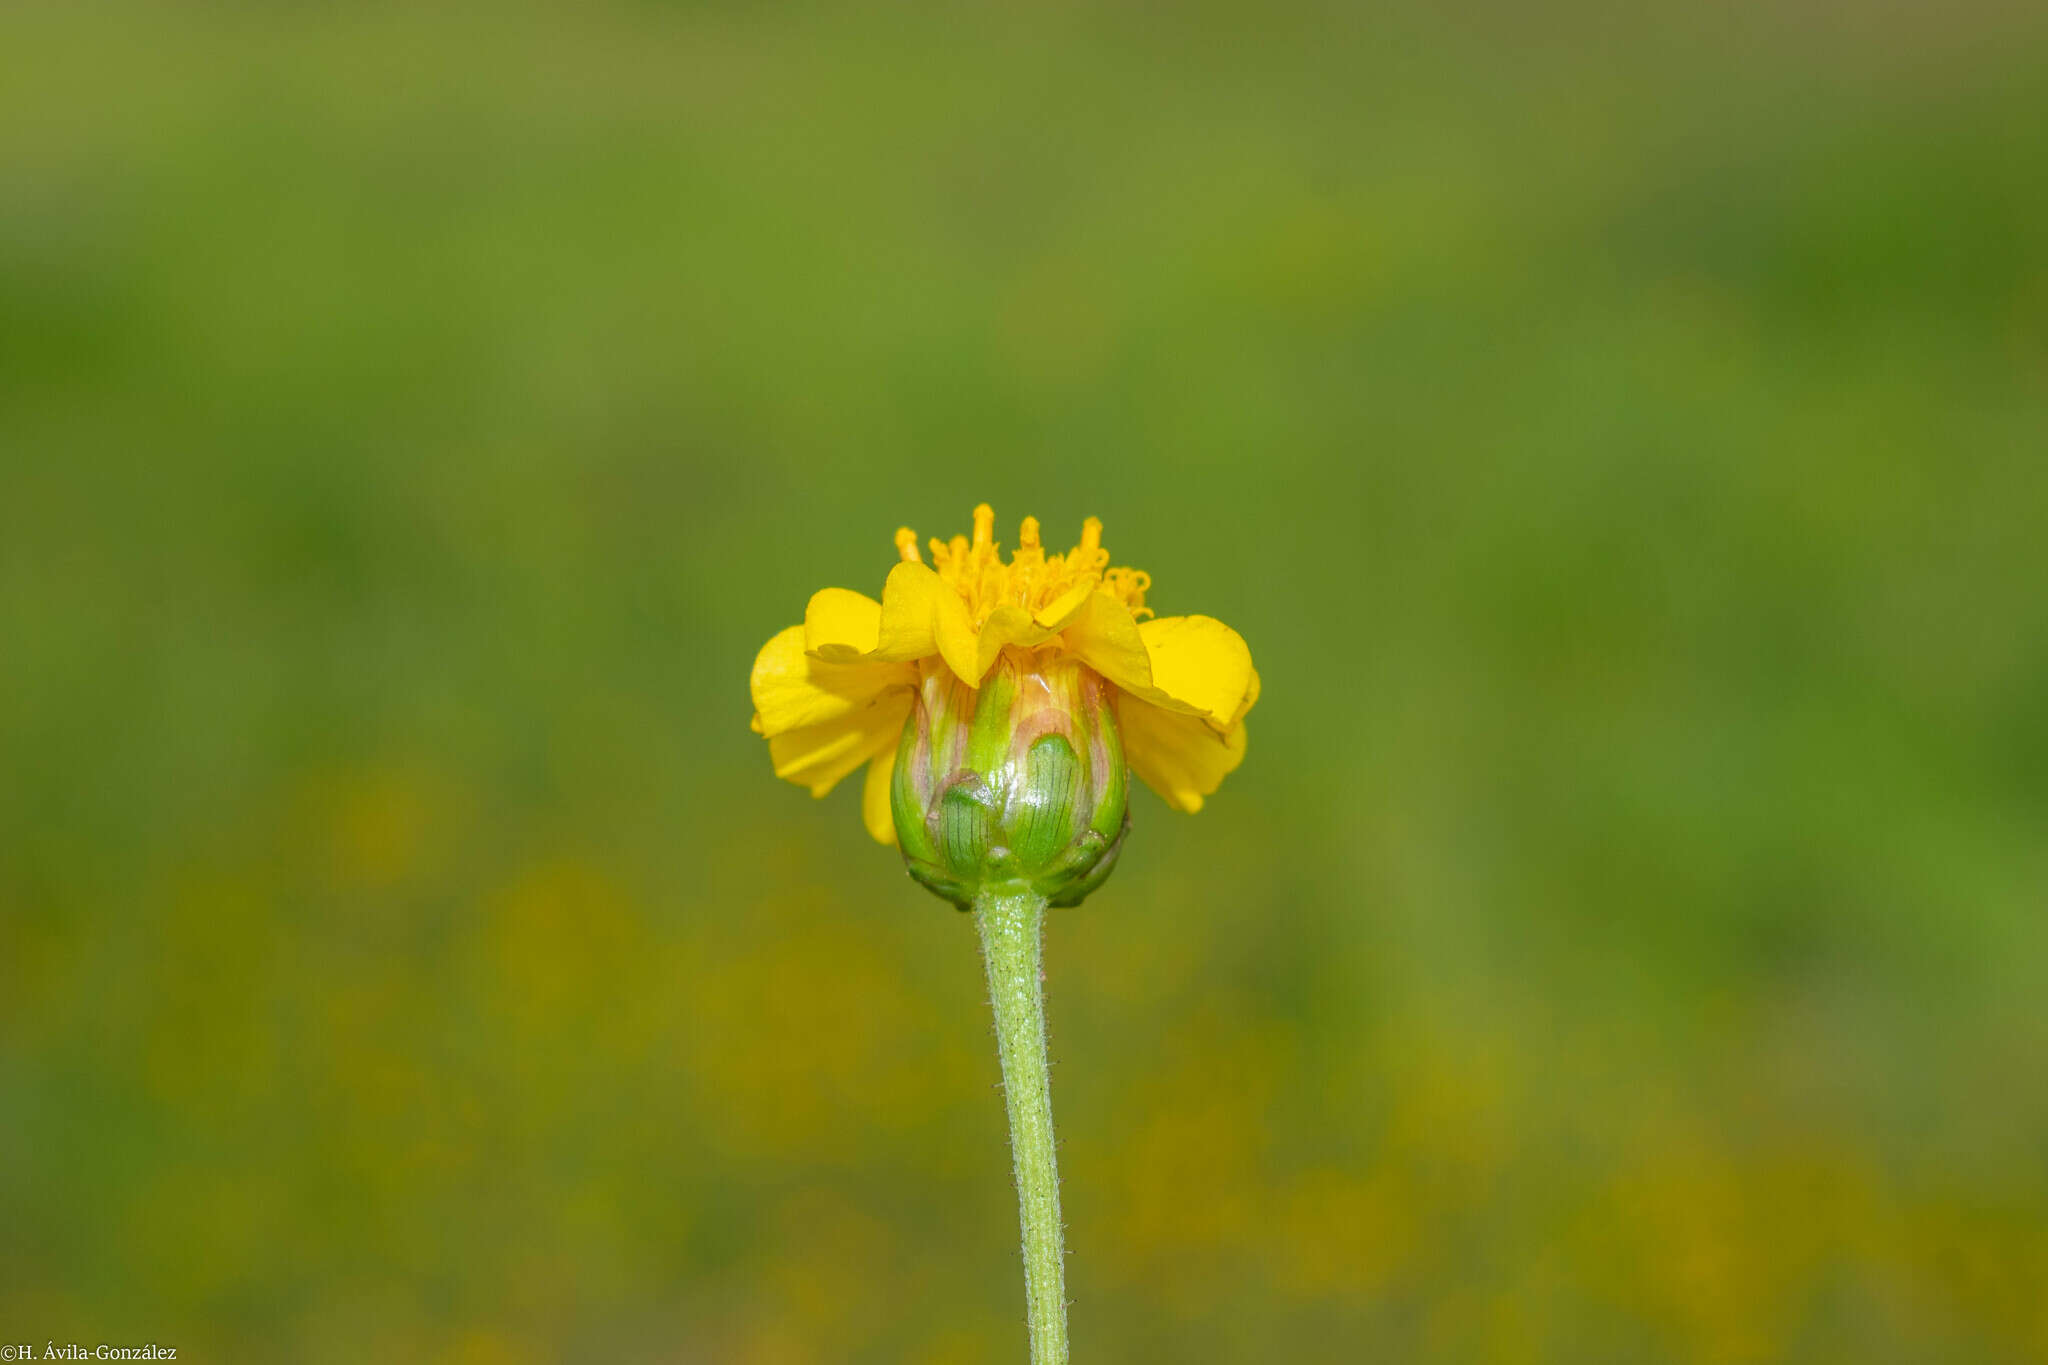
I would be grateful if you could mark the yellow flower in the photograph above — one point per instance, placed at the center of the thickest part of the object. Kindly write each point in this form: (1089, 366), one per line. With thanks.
(838, 690)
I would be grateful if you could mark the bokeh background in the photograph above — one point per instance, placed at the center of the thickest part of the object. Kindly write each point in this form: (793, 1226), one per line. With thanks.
(1619, 431)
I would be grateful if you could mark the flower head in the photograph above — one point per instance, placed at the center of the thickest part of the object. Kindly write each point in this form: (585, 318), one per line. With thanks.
(861, 680)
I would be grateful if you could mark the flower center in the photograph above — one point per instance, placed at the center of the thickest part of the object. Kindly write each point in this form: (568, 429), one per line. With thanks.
(1032, 579)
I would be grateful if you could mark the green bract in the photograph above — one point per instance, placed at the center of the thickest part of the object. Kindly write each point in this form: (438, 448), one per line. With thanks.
(1017, 784)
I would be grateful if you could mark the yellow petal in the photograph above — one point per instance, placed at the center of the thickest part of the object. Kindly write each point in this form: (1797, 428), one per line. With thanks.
(1059, 613)
(1251, 698)
(956, 637)
(1005, 626)
(817, 756)
(793, 690)
(841, 625)
(1105, 636)
(1200, 663)
(1179, 756)
(874, 797)
(922, 616)
(909, 601)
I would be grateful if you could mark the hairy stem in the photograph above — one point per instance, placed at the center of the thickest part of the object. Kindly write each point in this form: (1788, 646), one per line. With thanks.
(1012, 938)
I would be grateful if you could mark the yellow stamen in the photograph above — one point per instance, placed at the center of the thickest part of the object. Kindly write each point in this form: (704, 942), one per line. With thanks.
(906, 546)
(1032, 579)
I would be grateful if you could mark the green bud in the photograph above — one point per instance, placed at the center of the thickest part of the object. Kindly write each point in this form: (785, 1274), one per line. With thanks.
(1017, 784)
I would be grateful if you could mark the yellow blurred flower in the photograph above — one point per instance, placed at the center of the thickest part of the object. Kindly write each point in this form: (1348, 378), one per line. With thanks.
(838, 690)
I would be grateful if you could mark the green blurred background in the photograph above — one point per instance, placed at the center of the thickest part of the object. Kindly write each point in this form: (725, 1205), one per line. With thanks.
(1619, 432)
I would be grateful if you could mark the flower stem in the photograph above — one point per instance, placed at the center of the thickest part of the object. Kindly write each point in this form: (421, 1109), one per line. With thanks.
(1012, 942)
